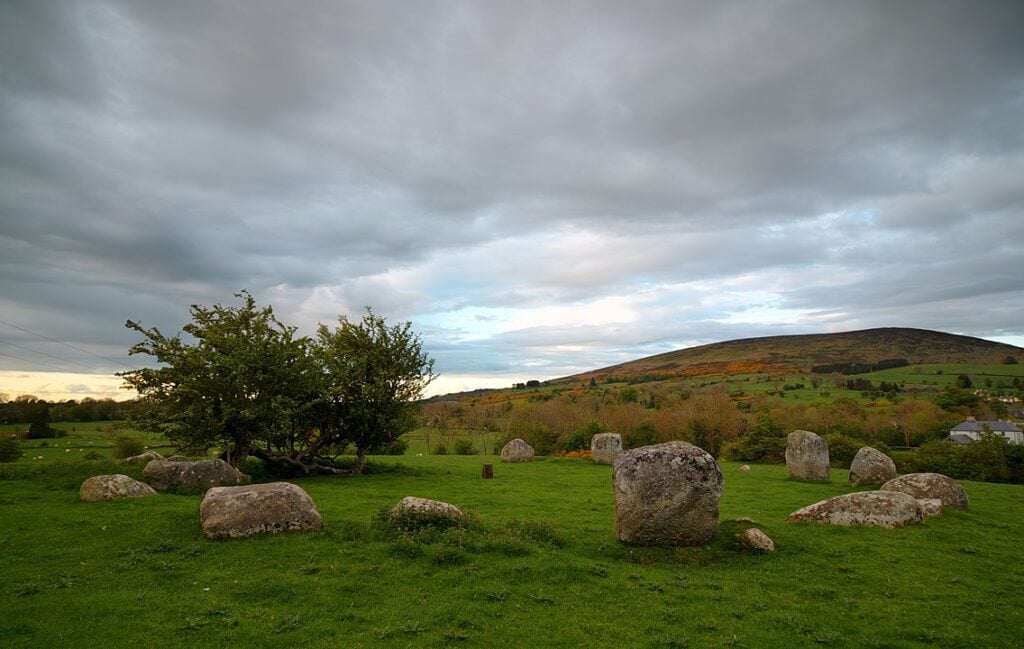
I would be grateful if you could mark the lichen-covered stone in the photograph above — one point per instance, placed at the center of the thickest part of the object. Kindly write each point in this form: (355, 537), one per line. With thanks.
(143, 458)
(666, 494)
(930, 506)
(867, 508)
(930, 485)
(755, 540)
(195, 476)
(113, 487)
(605, 447)
(807, 456)
(871, 466)
(411, 505)
(516, 451)
(270, 508)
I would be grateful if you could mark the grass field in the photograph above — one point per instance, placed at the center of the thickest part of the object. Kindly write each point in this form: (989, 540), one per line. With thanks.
(138, 573)
(81, 439)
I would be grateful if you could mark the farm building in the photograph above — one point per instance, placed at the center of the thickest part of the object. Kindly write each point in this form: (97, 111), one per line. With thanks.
(970, 430)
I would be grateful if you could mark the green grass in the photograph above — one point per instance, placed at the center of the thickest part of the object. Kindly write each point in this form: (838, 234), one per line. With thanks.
(539, 568)
(98, 437)
(943, 375)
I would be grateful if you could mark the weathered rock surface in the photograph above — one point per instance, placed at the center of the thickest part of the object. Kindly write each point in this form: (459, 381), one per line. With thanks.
(270, 508)
(871, 466)
(807, 456)
(605, 447)
(755, 540)
(142, 458)
(930, 485)
(191, 476)
(427, 508)
(868, 508)
(113, 487)
(666, 494)
(745, 468)
(516, 451)
(930, 506)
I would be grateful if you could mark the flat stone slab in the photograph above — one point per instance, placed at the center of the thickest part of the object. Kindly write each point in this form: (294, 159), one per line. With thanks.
(113, 487)
(925, 486)
(270, 508)
(199, 475)
(865, 508)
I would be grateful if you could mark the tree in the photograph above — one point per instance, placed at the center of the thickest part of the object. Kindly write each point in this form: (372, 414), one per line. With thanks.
(964, 382)
(240, 382)
(39, 427)
(372, 374)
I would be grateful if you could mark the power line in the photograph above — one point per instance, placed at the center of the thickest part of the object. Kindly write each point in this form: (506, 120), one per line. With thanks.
(36, 351)
(28, 360)
(77, 349)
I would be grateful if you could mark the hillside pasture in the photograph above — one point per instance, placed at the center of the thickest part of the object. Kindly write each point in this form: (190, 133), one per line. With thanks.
(83, 438)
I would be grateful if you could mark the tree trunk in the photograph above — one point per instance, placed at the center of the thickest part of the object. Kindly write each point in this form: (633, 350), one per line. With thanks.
(360, 460)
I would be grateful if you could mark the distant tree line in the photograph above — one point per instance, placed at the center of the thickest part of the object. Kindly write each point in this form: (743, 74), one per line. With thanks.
(26, 408)
(860, 368)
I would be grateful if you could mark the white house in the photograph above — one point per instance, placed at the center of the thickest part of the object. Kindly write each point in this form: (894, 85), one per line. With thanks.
(970, 430)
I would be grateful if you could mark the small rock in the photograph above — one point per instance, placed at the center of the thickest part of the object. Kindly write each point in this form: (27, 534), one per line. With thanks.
(516, 451)
(871, 466)
(930, 485)
(867, 508)
(807, 456)
(427, 508)
(755, 540)
(142, 458)
(113, 487)
(745, 468)
(269, 508)
(930, 506)
(605, 447)
(191, 476)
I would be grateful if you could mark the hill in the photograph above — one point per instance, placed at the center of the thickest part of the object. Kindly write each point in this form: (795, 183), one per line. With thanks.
(869, 348)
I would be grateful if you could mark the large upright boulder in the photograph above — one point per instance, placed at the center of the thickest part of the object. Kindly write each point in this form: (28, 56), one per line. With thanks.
(516, 451)
(605, 447)
(871, 466)
(199, 475)
(666, 494)
(807, 456)
(269, 508)
(113, 487)
(866, 508)
(925, 486)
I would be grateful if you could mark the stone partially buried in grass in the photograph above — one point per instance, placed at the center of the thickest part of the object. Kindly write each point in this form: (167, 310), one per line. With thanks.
(424, 508)
(113, 487)
(143, 458)
(666, 494)
(270, 508)
(871, 466)
(929, 486)
(864, 508)
(196, 476)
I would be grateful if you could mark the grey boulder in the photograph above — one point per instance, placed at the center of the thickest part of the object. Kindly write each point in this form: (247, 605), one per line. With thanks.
(754, 540)
(871, 466)
(142, 458)
(807, 456)
(516, 451)
(426, 508)
(113, 487)
(605, 447)
(270, 508)
(191, 476)
(930, 485)
(864, 508)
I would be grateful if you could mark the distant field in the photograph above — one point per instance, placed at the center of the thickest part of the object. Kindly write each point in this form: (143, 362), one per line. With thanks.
(82, 438)
(139, 574)
(942, 375)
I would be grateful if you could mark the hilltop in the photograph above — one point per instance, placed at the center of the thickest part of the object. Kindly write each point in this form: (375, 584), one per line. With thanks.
(802, 353)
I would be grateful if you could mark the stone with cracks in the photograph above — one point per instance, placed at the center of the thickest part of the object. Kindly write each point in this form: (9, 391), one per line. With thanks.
(516, 451)
(930, 485)
(191, 476)
(866, 508)
(807, 456)
(871, 466)
(113, 487)
(605, 447)
(142, 458)
(426, 508)
(755, 540)
(269, 508)
(666, 494)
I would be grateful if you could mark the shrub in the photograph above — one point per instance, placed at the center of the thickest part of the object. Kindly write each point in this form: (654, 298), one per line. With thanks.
(397, 446)
(764, 441)
(128, 447)
(10, 449)
(643, 435)
(842, 449)
(577, 441)
(543, 440)
(441, 449)
(464, 447)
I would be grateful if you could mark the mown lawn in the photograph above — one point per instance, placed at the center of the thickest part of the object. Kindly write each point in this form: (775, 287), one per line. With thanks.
(139, 574)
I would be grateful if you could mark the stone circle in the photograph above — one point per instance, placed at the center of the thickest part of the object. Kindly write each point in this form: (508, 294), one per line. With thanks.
(807, 456)
(248, 510)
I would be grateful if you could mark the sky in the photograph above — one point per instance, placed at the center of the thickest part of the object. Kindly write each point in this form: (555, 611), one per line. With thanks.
(541, 188)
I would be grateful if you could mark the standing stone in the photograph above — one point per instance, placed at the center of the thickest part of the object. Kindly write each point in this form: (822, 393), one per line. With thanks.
(516, 451)
(269, 508)
(871, 466)
(755, 540)
(866, 508)
(191, 476)
(113, 487)
(666, 494)
(605, 447)
(930, 485)
(807, 456)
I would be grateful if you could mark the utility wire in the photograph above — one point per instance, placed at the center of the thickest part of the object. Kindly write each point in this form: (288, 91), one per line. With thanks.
(78, 349)
(28, 360)
(36, 351)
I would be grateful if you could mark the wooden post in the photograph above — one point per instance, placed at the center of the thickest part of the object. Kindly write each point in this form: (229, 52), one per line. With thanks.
(488, 472)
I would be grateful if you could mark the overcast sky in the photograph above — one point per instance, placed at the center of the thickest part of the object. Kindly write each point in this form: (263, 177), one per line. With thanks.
(542, 188)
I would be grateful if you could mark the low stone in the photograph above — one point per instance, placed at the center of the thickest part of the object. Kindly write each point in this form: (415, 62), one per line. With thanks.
(516, 451)
(871, 466)
(930, 506)
(807, 456)
(866, 508)
(745, 468)
(426, 508)
(930, 485)
(142, 458)
(755, 540)
(269, 508)
(113, 487)
(605, 447)
(666, 494)
(191, 476)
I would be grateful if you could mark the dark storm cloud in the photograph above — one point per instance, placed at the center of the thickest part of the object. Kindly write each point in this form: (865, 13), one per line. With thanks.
(850, 164)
